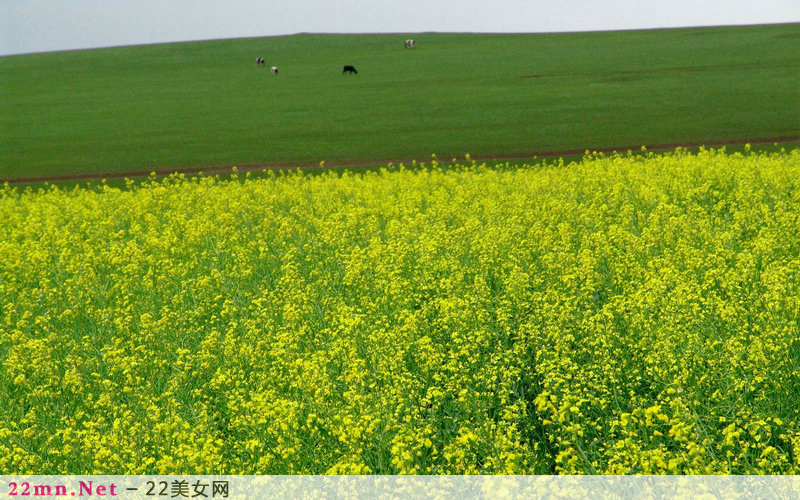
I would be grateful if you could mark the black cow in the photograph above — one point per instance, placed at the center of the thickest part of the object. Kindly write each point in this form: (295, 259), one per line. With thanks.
(349, 69)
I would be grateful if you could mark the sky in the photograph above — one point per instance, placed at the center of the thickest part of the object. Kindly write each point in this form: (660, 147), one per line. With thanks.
(49, 25)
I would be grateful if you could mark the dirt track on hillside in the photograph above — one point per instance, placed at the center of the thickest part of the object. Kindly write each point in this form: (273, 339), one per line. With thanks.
(226, 169)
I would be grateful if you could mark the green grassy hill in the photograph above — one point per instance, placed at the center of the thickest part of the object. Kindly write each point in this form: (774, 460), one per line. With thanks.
(207, 104)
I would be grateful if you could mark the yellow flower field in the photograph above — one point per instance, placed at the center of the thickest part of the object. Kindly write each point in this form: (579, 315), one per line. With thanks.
(623, 314)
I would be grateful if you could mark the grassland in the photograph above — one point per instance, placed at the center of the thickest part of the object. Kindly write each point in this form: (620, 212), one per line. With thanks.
(206, 104)
(619, 315)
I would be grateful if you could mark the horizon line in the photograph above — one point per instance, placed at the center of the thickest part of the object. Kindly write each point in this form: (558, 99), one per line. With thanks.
(404, 33)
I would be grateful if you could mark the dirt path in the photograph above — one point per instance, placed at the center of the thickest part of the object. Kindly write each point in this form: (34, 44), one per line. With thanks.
(373, 162)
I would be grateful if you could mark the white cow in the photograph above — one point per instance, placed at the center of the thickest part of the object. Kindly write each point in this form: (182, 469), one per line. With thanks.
(259, 61)
(409, 44)
(274, 70)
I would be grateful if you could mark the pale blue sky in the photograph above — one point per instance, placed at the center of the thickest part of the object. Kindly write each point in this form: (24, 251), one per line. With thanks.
(48, 25)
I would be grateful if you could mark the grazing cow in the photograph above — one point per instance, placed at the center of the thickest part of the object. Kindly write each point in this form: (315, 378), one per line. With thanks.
(274, 70)
(349, 69)
(260, 61)
(409, 44)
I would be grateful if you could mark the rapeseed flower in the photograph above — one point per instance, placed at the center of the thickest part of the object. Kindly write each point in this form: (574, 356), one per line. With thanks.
(620, 314)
